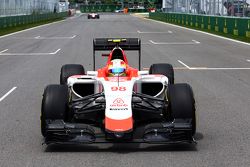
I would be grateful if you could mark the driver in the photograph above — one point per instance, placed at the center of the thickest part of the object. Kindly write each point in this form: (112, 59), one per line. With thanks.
(117, 67)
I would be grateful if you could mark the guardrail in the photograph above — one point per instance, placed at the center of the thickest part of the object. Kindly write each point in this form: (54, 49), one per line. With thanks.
(226, 25)
(14, 21)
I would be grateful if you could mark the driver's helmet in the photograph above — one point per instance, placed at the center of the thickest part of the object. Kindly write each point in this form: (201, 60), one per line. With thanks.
(117, 67)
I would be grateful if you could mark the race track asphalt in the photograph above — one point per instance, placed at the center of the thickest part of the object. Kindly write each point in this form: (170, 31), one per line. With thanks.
(217, 69)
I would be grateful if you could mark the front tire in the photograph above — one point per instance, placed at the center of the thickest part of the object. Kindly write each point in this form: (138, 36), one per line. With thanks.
(163, 69)
(70, 70)
(54, 105)
(182, 103)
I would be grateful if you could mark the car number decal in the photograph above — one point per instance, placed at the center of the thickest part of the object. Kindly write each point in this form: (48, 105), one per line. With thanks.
(116, 88)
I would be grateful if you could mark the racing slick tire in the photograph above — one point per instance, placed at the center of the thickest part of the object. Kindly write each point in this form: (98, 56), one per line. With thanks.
(98, 16)
(54, 104)
(163, 69)
(182, 103)
(68, 70)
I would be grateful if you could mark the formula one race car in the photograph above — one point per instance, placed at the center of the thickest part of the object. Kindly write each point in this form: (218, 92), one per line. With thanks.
(93, 16)
(118, 103)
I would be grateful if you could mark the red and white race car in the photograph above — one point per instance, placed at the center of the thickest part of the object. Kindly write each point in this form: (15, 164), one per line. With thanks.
(93, 16)
(118, 103)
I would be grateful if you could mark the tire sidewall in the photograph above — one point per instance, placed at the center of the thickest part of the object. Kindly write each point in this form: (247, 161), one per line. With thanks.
(70, 70)
(163, 69)
(54, 104)
(182, 103)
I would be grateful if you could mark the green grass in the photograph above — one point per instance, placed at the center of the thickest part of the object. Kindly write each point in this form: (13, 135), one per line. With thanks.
(26, 26)
(239, 38)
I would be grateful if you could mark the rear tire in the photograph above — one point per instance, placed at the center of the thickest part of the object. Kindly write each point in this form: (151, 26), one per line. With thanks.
(54, 104)
(182, 103)
(70, 70)
(163, 69)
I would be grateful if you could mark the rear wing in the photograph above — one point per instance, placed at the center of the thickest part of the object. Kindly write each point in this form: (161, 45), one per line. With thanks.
(102, 44)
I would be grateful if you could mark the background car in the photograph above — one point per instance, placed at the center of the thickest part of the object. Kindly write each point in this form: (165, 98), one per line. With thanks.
(93, 16)
(119, 11)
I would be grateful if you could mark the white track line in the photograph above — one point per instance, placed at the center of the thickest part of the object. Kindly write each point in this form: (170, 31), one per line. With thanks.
(29, 54)
(217, 36)
(4, 50)
(197, 42)
(74, 17)
(30, 29)
(211, 68)
(207, 68)
(184, 64)
(248, 60)
(39, 37)
(194, 42)
(175, 68)
(9, 92)
(55, 52)
(152, 42)
(204, 68)
(147, 32)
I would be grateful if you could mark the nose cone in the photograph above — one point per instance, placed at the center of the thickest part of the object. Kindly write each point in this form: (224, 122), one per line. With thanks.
(118, 125)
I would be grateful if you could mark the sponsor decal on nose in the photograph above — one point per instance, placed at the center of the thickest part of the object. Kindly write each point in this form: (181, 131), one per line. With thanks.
(118, 102)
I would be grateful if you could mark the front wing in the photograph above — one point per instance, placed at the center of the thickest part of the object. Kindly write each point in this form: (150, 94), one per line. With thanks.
(178, 131)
